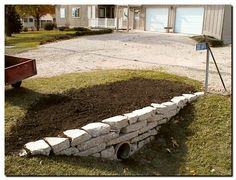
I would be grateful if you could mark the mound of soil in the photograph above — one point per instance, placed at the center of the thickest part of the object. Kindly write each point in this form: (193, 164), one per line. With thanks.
(54, 113)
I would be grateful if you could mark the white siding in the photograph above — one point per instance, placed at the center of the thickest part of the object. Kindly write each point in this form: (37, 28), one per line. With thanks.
(213, 20)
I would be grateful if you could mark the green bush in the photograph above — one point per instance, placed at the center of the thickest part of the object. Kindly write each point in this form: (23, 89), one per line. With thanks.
(49, 26)
(80, 29)
(93, 32)
(64, 28)
(57, 37)
(213, 42)
(25, 29)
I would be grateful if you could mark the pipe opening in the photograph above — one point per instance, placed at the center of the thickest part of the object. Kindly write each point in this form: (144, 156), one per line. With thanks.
(123, 151)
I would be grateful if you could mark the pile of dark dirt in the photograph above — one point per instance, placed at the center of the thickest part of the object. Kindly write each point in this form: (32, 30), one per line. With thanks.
(54, 113)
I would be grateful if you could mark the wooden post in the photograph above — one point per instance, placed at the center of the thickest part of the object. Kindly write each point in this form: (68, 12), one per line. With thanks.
(105, 22)
(117, 18)
(127, 18)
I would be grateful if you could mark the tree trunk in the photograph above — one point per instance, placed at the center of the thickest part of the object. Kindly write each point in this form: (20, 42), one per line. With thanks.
(37, 22)
(8, 33)
(7, 28)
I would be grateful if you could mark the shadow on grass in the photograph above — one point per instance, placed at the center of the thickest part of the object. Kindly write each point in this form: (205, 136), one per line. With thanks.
(22, 97)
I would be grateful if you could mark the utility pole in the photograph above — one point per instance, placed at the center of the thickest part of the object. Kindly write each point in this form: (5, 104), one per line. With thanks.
(128, 18)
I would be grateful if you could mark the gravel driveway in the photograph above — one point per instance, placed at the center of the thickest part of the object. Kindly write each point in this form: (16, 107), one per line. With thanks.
(135, 50)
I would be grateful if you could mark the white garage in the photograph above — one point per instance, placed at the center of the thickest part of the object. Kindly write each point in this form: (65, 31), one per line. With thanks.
(156, 19)
(189, 20)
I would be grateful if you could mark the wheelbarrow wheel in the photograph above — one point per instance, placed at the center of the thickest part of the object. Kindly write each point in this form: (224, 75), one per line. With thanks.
(17, 84)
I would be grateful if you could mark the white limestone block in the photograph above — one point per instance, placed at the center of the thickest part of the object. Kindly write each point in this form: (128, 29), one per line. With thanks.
(150, 109)
(109, 153)
(39, 147)
(92, 150)
(171, 113)
(122, 137)
(190, 97)
(57, 143)
(149, 126)
(160, 108)
(143, 114)
(163, 121)
(199, 94)
(152, 132)
(77, 136)
(158, 117)
(96, 129)
(134, 127)
(23, 153)
(132, 117)
(98, 140)
(96, 155)
(170, 105)
(180, 101)
(68, 152)
(140, 137)
(116, 122)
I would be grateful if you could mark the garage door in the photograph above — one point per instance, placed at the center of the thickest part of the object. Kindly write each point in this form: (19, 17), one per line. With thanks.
(189, 20)
(156, 19)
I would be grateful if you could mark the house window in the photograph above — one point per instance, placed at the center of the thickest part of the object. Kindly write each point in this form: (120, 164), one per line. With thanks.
(25, 20)
(31, 20)
(112, 12)
(101, 12)
(62, 12)
(75, 12)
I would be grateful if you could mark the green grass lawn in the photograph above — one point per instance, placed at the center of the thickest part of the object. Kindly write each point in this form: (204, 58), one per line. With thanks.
(202, 129)
(31, 39)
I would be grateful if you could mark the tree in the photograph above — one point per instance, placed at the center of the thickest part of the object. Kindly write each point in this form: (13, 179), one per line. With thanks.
(12, 20)
(37, 11)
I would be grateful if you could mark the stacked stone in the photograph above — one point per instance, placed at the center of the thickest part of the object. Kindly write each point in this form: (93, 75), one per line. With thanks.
(100, 139)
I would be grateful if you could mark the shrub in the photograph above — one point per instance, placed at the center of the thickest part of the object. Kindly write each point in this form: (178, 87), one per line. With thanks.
(57, 37)
(80, 29)
(62, 28)
(93, 32)
(49, 26)
(213, 42)
(25, 29)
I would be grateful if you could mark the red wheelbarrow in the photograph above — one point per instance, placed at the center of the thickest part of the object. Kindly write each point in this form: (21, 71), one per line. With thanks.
(17, 69)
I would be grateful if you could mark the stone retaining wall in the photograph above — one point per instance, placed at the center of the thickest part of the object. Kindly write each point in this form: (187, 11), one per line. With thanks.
(100, 139)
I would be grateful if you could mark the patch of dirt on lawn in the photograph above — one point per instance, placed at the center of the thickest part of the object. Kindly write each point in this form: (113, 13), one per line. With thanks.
(55, 113)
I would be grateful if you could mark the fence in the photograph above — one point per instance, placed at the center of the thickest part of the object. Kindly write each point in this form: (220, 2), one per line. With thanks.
(105, 22)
